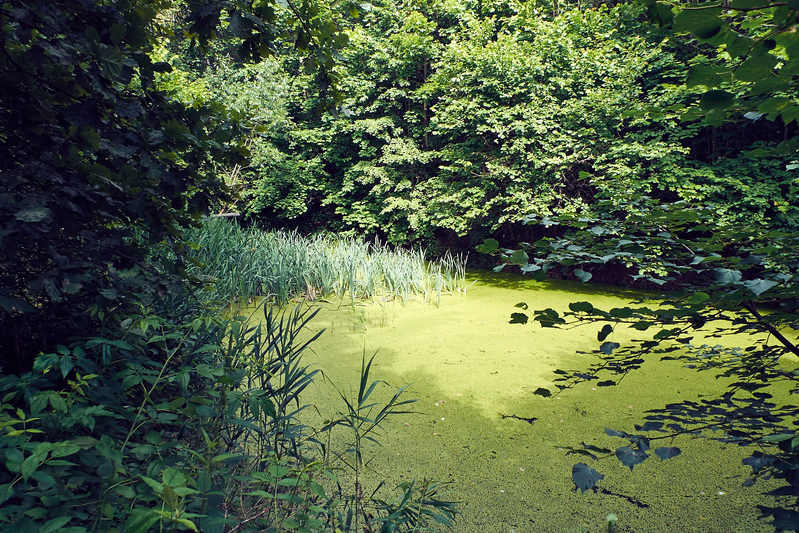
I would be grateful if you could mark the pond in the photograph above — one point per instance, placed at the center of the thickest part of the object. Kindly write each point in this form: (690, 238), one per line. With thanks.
(467, 366)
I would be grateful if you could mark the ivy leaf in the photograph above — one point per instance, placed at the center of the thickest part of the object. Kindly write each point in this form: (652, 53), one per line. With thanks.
(584, 477)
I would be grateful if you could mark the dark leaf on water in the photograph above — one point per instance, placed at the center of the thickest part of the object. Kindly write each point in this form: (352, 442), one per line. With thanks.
(518, 318)
(608, 347)
(581, 307)
(541, 391)
(614, 433)
(606, 330)
(630, 457)
(585, 477)
(521, 305)
(607, 383)
(649, 426)
(758, 461)
(667, 452)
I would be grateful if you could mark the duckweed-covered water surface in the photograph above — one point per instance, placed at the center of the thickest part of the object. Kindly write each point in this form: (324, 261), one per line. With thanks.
(503, 449)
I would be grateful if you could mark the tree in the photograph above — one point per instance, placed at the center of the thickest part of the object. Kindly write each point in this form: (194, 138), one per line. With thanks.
(96, 161)
(744, 278)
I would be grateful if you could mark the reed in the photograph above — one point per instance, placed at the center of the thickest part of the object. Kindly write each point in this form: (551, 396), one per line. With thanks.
(246, 263)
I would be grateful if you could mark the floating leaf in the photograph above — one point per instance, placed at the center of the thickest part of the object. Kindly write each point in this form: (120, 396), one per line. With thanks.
(518, 318)
(667, 452)
(606, 383)
(608, 347)
(630, 456)
(584, 477)
(541, 391)
(581, 307)
(606, 330)
(615, 433)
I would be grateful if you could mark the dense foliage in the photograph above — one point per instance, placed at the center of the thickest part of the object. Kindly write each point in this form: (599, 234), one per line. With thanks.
(727, 276)
(455, 123)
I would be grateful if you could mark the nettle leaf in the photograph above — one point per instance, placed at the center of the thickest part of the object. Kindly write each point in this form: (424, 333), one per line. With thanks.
(606, 330)
(584, 477)
(630, 457)
(667, 452)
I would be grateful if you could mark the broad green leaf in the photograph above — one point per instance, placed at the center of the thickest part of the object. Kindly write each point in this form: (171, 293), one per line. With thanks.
(704, 22)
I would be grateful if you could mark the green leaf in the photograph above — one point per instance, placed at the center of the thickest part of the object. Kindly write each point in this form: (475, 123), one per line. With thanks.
(716, 99)
(584, 477)
(759, 286)
(630, 456)
(54, 524)
(489, 246)
(778, 437)
(702, 22)
(519, 257)
(582, 275)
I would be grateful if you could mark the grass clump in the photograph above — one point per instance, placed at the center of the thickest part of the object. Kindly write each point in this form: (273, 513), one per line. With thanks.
(245, 263)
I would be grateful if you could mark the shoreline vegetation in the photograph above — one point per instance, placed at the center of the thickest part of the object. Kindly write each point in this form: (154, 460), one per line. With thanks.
(242, 264)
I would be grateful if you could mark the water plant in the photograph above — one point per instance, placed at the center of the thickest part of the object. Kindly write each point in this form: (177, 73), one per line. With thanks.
(246, 263)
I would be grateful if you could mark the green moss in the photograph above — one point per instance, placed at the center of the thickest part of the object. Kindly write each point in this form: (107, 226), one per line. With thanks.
(467, 366)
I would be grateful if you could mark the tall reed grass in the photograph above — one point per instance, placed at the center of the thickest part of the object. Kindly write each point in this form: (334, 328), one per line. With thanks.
(247, 263)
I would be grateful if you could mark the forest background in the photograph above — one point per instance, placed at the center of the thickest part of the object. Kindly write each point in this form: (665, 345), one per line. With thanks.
(440, 124)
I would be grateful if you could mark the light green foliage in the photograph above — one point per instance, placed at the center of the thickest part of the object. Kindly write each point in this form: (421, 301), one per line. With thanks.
(458, 121)
(246, 264)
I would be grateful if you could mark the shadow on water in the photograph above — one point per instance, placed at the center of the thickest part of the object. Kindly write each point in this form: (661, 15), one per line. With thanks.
(467, 367)
(516, 281)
